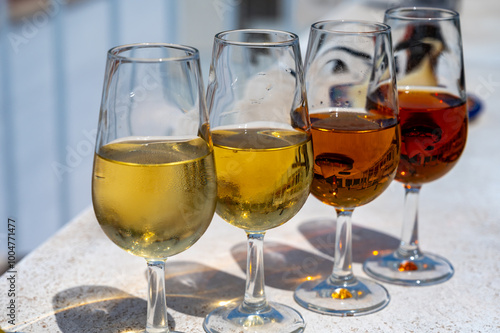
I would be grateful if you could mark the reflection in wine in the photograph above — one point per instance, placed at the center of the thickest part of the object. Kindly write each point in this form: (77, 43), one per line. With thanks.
(365, 159)
(434, 132)
(263, 175)
(154, 198)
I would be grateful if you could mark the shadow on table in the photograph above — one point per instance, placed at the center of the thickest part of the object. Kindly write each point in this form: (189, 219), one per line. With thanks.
(321, 235)
(285, 266)
(195, 289)
(99, 309)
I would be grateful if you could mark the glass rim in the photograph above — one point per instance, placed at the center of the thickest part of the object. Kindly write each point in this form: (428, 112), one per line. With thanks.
(378, 27)
(115, 53)
(397, 13)
(291, 40)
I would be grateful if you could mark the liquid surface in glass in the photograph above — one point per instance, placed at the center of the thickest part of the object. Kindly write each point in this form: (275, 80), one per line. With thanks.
(154, 198)
(433, 131)
(263, 175)
(355, 157)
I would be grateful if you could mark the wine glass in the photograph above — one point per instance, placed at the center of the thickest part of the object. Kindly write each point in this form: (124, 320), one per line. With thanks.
(351, 92)
(263, 154)
(154, 186)
(433, 115)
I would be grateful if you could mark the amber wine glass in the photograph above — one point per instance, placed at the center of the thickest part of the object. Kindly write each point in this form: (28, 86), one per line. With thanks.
(351, 91)
(263, 155)
(154, 185)
(433, 113)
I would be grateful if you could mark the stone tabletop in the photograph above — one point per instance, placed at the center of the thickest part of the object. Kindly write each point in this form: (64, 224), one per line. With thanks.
(79, 281)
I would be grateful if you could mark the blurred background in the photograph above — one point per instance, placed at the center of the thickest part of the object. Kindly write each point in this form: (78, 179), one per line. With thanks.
(52, 57)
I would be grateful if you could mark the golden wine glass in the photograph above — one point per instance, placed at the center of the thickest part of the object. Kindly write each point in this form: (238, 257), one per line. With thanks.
(263, 154)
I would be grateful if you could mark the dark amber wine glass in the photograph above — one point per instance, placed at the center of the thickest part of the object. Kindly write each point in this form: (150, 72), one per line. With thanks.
(433, 114)
(154, 186)
(263, 154)
(352, 97)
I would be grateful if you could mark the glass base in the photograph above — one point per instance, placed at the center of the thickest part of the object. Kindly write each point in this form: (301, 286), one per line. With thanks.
(355, 297)
(275, 318)
(424, 270)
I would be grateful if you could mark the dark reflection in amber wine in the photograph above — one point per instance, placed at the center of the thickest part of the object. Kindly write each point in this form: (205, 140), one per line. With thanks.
(434, 132)
(355, 157)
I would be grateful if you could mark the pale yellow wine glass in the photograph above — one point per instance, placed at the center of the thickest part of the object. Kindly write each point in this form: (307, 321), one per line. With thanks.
(153, 184)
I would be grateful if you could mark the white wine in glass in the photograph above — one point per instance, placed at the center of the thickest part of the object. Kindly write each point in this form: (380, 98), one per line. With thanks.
(249, 198)
(263, 154)
(154, 184)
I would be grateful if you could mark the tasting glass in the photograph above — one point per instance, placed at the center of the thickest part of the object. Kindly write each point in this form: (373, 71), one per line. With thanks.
(433, 114)
(351, 92)
(263, 153)
(153, 184)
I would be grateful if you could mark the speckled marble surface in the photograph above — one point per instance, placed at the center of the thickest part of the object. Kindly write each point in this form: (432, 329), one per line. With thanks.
(79, 281)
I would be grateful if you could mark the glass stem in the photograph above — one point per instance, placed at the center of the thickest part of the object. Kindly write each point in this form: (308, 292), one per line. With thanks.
(342, 267)
(255, 296)
(157, 321)
(408, 248)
